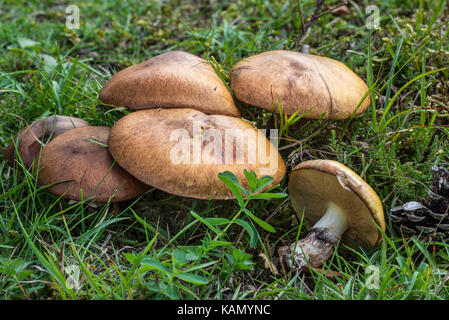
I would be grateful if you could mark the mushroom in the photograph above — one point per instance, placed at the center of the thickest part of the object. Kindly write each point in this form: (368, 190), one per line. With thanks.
(77, 165)
(309, 83)
(181, 151)
(337, 202)
(174, 79)
(31, 138)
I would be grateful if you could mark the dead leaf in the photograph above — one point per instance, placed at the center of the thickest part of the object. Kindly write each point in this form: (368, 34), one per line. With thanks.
(269, 264)
(343, 10)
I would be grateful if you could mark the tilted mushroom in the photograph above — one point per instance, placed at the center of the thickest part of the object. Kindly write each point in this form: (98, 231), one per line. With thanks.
(79, 166)
(30, 139)
(174, 79)
(181, 151)
(336, 201)
(309, 83)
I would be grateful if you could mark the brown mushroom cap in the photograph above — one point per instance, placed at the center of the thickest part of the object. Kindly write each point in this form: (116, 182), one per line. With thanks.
(142, 143)
(81, 158)
(300, 81)
(39, 132)
(314, 184)
(174, 79)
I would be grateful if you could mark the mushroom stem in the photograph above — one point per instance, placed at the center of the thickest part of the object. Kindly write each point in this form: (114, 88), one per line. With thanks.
(334, 219)
(319, 243)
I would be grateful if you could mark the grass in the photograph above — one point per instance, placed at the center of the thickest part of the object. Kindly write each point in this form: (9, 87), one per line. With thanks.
(162, 246)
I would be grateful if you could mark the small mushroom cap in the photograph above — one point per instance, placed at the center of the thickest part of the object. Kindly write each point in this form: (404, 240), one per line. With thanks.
(310, 83)
(39, 132)
(181, 151)
(78, 161)
(174, 79)
(314, 184)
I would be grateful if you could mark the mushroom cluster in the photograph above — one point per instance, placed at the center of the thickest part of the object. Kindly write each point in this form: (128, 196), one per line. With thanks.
(180, 104)
(185, 128)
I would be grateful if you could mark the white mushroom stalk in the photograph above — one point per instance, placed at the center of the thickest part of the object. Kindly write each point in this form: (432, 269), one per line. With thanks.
(319, 244)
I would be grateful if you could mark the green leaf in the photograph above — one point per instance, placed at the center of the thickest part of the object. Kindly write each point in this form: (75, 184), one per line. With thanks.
(243, 266)
(269, 195)
(217, 221)
(172, 292)
(204, 221)
(216, 243)
(192, 278)
(230, 180)
(27, 43)
(49, 62)
(24, 274)
(191, 256)
(200, 266)
(153, 264)
(252, 179)
(240, 255)
(263, 182)
(253, 235)
(241, 260)
(179, 256)
(259, 221)
(131, 257)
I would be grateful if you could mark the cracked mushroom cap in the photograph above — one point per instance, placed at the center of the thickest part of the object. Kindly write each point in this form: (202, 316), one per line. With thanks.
(39, 132)
(181, 151)
(78, 162)
(310, 83)
(313, 184)
(174, 79)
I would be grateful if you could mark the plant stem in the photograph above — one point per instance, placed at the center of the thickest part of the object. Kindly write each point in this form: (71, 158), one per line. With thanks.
(232, 220)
